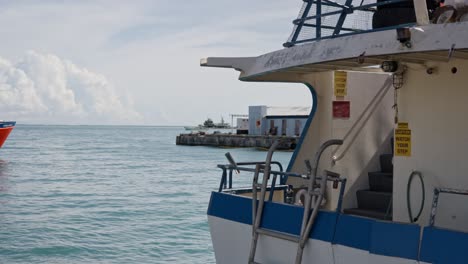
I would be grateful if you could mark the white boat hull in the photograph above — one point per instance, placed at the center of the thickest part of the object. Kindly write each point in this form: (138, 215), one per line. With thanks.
(231, 242)
(336, 238)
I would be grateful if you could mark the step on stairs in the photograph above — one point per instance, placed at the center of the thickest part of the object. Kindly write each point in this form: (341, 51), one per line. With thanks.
(376, 202)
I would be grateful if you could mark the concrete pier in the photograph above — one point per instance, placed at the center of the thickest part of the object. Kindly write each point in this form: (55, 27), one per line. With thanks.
(236, 141)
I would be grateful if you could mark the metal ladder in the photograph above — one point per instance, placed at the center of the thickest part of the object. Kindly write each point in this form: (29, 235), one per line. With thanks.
(313, 200)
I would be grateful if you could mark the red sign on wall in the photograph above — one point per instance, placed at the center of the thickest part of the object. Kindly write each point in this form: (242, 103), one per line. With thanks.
(341, 109)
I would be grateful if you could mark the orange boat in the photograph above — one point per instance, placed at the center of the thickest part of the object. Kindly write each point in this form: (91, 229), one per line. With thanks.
(5, 128)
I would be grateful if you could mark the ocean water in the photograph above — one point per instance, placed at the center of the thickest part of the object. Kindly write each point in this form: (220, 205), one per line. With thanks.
(108, 194)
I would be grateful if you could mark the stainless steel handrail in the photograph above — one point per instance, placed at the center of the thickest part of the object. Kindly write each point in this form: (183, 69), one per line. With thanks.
(308, 219)
(235, 167)
(435, 201)
(369, 110)
(313, 199)
(258, 213)
(280, 173)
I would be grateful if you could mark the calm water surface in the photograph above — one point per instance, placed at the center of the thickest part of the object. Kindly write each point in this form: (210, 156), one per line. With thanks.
(77, 194)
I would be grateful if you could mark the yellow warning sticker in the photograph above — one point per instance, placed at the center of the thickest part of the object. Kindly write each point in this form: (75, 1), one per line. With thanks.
(403, 141)
(403, 125)
(340, 83)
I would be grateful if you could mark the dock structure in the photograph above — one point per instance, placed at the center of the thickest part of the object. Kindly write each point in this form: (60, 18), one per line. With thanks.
(236, 141)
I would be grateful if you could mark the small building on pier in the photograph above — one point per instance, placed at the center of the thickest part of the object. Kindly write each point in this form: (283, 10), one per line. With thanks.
(277, 121)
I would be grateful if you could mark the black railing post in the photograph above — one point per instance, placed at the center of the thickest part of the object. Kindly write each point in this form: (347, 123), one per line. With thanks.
(223, 180)
(342, 18)
(230, 179)
(301, 23)
(318, 19)
(272, 187)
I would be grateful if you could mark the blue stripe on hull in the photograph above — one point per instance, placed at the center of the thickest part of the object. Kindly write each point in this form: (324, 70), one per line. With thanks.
(278, 217)
(288, 219)
(7, 124)
(395, 239)
(230, 207)
(444, 246)
(353, 232)
(377, 237)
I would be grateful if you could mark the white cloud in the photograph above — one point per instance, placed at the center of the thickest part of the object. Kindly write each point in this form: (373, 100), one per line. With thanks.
(44, 87)
(17, 91)
(150, 50)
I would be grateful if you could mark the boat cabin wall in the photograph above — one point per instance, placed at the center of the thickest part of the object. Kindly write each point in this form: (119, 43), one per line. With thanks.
(370, 142)
(435, 107)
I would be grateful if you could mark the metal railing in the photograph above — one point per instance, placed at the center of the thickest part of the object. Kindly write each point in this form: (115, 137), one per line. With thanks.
(228, 171)
(321, 19)
(435, 201)
(316, 188)
(227, 179)
(226, 182)
(352, 134)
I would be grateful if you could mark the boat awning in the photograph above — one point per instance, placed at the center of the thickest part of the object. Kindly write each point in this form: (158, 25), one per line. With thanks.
(360, 52)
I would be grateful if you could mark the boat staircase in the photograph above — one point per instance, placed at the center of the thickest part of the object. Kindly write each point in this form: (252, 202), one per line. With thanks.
(376, 202)
(315, 192)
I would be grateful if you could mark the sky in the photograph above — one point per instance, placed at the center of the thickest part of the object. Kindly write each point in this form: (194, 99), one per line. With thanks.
(122, 62)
